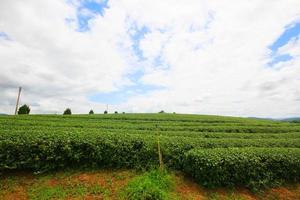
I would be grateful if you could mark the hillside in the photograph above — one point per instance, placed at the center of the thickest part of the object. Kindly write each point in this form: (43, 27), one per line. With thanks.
(216, 151)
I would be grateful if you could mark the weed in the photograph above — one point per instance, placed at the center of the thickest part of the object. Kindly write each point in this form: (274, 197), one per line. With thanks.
(153, 185)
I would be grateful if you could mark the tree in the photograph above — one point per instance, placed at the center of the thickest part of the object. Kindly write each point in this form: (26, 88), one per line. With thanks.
(116, 112)
(105, 112)
(68, 111)
(161, 111)
(91, 112)
(123, 112)
(24, 110)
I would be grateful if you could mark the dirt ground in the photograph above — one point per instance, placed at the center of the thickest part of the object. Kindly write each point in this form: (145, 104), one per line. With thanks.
(106, 185)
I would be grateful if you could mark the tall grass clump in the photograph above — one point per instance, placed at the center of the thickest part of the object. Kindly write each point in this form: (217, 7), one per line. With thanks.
(152, 185)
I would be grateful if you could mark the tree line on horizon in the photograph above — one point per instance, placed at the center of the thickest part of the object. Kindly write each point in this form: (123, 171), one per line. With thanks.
(25, 110)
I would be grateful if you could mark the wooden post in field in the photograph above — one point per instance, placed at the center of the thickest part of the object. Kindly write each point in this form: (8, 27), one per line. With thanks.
(17, 104)
(159, 151)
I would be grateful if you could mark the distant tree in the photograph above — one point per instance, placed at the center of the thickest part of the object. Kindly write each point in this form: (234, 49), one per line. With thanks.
(24, 110)
(68, 111)
(174, 112)
(123, 112)
(116, 112)
(105, 112)
(91, 112)
(161, 111)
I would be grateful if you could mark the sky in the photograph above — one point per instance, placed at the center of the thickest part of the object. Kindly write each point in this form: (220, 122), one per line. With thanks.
(232, 57)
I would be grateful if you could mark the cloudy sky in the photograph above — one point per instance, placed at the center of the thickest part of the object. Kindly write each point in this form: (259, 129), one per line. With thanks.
(233, 57)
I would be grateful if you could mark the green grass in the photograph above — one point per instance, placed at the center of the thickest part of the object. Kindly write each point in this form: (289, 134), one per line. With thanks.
(45, 192)
(153, 185)
(121, 184)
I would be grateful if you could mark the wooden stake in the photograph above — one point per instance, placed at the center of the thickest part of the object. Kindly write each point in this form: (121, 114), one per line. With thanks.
(17, 104)
(161, 165)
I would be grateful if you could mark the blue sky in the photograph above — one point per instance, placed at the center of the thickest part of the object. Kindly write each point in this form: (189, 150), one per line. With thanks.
(291, 31)
(123, 94)
(93, 7)
(4, 36)
(136, 35)
(145, 56)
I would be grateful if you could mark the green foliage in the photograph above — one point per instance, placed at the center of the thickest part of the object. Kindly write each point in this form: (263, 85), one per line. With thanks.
(116, 112)
(105, 112)
(67, 111)
(254, 168)
(91, 112)
(153, 185)
(24, 110)
(46, 142)
(161, 112)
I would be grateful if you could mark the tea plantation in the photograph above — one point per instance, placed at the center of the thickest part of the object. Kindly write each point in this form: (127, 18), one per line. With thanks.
(214, 150)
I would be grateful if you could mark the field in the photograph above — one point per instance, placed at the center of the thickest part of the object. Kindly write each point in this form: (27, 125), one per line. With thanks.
(214, 151)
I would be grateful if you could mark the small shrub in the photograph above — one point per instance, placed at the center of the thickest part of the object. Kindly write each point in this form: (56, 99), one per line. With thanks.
(24, 110)
(105, 112)
(68, 111)
(91, 112)
(255, 168)
(116, 112)
(161, 111)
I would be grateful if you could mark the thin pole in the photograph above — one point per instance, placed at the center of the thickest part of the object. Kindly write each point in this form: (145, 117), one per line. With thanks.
(161, 165)
(17, 104)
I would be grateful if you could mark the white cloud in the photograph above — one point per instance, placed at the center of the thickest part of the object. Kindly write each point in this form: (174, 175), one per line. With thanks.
(50, 59)
(213, 56)
(292, 48)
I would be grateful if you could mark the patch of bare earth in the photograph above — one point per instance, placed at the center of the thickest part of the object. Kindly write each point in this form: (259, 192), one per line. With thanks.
(108, 180)
(245, 194)
(16, 188)
(283, 193)
(18, 192)
(187, 189)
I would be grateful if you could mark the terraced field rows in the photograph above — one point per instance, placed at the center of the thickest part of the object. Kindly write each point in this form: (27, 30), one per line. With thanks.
(266, 152)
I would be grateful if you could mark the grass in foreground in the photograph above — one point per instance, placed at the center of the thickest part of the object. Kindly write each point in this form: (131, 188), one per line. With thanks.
(153, 185)
(125, 184)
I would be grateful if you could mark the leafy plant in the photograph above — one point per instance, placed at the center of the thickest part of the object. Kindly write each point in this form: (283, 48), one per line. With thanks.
(25, 109)
(254, 168)
(216, 151)
(153, 185)
(67, 111)
(91, 112)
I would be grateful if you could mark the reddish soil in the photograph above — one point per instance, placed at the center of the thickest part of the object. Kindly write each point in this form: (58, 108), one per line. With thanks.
(283, 193)
(188, 189)
(185, 188)
(245, 194)
(19, 193)
(52, 182)
(105, 179)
